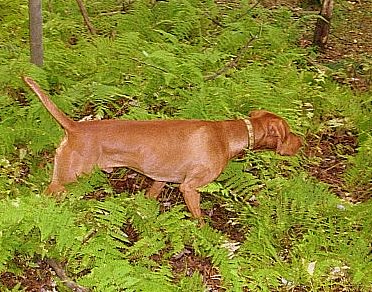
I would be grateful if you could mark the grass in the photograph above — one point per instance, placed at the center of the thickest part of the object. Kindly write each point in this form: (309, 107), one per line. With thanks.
(271, 225)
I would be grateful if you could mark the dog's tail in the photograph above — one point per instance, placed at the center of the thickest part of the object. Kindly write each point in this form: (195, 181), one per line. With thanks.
(61, 118)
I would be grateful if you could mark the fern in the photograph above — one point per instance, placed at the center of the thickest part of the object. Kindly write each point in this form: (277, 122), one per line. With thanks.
(206, 104)
(30, 225)
(159, 232)
(240, 182)
(273, 225)
(209, 243)
(192, 284)
(182, 19)
(119, 274)
(360, 173)
(156, 232)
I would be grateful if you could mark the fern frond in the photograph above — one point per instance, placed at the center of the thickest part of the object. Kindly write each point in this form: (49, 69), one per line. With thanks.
(360, 173)
(33, 222)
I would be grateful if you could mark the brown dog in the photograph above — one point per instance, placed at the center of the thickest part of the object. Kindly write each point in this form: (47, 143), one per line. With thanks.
(189, 152)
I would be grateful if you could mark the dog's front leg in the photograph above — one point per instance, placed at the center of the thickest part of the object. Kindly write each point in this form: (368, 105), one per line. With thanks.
(192, 199)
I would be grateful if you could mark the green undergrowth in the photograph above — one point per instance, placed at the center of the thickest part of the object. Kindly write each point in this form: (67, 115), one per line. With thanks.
(172, 59)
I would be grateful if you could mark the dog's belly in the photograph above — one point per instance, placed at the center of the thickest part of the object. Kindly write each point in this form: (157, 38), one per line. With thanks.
(173, 177)
(154, 169)
(174, 170)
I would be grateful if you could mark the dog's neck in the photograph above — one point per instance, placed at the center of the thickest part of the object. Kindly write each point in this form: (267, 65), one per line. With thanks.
(249, 126)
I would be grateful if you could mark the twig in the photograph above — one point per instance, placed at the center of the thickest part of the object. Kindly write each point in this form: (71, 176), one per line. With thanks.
(215, 21)
(150, 65)
(234, 62)
(249, 10)
(60, 272)
(84, 12)
(111, 13)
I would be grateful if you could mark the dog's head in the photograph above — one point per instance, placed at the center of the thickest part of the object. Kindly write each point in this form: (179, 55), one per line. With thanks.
(273, 132)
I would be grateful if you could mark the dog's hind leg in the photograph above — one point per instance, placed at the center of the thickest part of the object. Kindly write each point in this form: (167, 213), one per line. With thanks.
(155, 189)
(69, 164)
(192, 200)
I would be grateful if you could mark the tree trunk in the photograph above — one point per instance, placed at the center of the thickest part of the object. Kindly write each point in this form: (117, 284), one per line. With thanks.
(323, 24)
(84, 12)
(36, 32)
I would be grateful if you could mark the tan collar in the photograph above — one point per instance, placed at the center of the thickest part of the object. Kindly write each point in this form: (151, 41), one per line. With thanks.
(248, 123)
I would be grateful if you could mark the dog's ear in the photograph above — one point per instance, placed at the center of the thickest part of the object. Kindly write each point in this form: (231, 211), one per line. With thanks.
(277, 129)
(287, 143)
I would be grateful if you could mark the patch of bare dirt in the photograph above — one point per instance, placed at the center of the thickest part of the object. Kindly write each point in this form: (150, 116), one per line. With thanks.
(123, 180)
(329, 151)
(349, 47)
(18, 95)
(187, 263)
(222, 220)
(331, 147)
(31, 279)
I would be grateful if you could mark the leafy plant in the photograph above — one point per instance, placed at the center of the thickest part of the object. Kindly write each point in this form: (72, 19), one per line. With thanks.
(179, 59)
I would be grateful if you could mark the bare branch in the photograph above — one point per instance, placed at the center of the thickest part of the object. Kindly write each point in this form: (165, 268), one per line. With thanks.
(60, 272)
(84, 12)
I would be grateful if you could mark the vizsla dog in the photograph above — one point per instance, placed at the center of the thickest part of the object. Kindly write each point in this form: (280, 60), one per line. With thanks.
(189, 152)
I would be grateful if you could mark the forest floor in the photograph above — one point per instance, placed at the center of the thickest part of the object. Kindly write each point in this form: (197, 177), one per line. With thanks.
(350, 43)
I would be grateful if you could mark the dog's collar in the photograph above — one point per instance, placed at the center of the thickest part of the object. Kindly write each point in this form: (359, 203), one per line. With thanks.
(249, 126)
